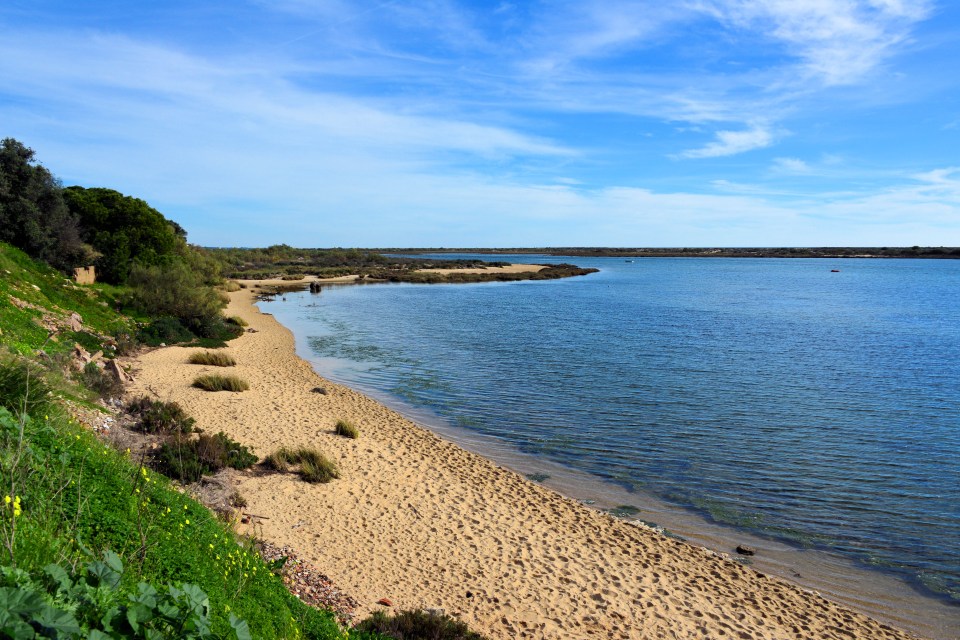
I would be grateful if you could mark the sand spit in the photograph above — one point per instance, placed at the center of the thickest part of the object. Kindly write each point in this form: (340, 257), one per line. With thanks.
(424, 523)
(510, 268)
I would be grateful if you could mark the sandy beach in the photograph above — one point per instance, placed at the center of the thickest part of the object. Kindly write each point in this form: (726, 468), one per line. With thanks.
(425, 523)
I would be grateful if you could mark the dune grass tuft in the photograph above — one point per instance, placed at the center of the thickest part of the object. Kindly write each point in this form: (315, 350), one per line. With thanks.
(216, 382)
(313, 465)
(213, 358)
(346, 429)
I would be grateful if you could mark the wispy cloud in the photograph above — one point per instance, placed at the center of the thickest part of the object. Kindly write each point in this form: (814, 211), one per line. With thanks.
(728, 143)
(791, 166)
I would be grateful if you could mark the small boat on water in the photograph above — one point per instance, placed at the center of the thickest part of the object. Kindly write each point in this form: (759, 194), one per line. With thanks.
(834, 270)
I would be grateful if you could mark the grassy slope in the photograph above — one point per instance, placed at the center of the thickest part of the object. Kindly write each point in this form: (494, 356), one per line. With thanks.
(79, 494)
(57, 297)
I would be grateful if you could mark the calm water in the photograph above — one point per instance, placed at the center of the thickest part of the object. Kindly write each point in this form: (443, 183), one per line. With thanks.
(815, 407)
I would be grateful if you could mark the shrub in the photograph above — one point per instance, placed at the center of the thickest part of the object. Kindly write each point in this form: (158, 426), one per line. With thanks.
(99, 381)
(164, 330)
(231, 285)
(22, 387)
(313, 465)
(216, 382)
(293, 276)
(417, 625)
(188, 460)
(156, 416)
(237, 320)
(213, 358)
(346, 429)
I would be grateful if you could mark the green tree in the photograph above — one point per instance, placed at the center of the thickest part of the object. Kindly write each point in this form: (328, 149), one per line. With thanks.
(125, 230)
(33, 216)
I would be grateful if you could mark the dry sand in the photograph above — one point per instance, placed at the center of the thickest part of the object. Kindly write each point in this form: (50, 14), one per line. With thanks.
(425, 523)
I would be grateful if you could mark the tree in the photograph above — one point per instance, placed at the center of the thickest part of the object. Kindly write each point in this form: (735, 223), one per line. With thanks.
(33, 215)
(125, 231)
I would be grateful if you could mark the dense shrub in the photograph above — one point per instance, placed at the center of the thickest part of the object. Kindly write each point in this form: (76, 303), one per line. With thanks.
(177, 291)
(188, 459)
(156, 416)
(417, 625)
(312, 465)
(212, 358)
(215, 382)
(165, 330)
(346, 429)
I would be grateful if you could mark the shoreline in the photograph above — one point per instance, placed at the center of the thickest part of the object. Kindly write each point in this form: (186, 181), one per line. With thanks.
(426, 523)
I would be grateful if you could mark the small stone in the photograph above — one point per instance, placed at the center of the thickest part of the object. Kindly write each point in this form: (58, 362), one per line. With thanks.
(744, 550)
(385, 602)
(469, 594)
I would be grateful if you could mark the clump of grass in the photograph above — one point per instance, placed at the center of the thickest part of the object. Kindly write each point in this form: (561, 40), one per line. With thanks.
(213, 358)
(231, 285)
(216, 382)
(346, 429)
(418, 624)
(312, 465)
(236, 320)
(293, 276)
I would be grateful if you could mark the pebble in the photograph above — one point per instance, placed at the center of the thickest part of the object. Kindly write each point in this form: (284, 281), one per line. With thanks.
(308, 584)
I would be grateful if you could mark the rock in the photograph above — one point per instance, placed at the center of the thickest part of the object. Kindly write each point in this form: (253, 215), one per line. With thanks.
(117, 371)
(319, 390)
(75, 322)
(744, 550)
(385, 602)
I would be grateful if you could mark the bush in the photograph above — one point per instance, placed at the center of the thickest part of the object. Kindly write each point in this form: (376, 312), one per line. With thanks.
(156, 416)
(231, 285)
(313, 465)
(216, 382)
(188, 460)
(22, 387)
(212, 358)
(165, 330)
(174, 290)
(417, 625)
(346, 429)
(237, 320)
(105, 385)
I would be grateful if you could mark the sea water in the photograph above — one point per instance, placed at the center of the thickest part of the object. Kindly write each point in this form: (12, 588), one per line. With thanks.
(813, 407)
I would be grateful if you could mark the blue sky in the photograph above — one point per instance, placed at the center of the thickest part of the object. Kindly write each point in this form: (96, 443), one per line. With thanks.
(454, 123)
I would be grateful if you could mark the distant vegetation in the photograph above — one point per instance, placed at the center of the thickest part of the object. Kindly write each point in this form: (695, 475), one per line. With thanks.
(711, 252)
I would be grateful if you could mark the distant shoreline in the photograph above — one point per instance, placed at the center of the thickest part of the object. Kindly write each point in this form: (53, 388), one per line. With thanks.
(705, 252)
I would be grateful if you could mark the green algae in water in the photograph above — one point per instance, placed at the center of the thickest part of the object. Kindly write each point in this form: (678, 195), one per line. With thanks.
(538, 477)
(624, 511)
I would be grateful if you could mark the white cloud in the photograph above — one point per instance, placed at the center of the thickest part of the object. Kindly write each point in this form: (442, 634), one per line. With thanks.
(728, 143)
(837, 41)
(791, 165)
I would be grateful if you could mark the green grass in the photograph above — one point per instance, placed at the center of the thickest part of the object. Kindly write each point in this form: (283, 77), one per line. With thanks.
(312, 465)
(213, 358)
(49, 293)
(215, 382)
(346, 429)
(77, 494)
